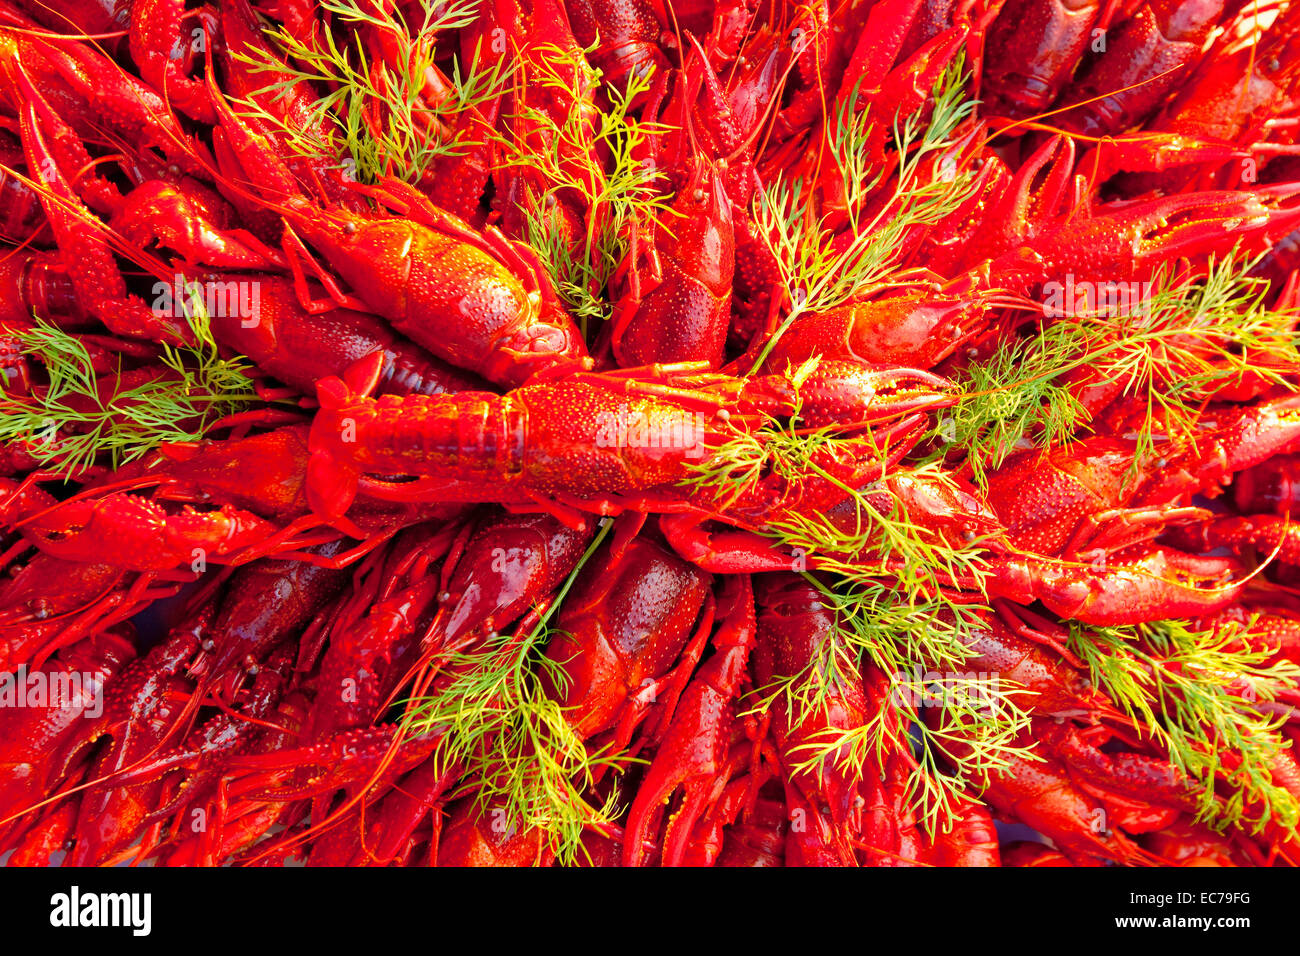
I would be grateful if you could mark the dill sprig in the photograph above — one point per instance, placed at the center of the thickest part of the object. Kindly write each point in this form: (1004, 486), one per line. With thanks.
(819, 270)
(886, 538)
(883, 575)
(1197, 694)
(974, 721)
(381, 119)
(517, 744)
(620, 196)
(1191, 336)
(69, 424)
(881, 537)
(782, 449)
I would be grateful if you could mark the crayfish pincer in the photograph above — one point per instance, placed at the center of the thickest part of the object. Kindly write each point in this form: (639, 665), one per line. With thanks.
(588, 441)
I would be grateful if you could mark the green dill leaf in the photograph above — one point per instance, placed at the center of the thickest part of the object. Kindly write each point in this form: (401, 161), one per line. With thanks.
(821, 271)
(1191, 336)
(620, 197)
(885, 577)
(380, 120)
(1197, 693)
(75, 421)
(516, 743)
(974, 733)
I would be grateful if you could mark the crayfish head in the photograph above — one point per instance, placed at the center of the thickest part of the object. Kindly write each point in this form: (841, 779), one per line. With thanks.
(918, 328)
(852, 395)
(921, 328)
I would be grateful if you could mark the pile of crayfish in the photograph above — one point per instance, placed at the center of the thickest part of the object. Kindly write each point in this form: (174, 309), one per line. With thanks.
(650, 432)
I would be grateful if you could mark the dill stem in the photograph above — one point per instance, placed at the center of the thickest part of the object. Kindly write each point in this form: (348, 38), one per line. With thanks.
(605, 525)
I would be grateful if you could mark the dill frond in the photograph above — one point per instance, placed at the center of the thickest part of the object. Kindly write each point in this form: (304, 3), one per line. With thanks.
(379, 119)
(984, 730)
(882, 537)
(1197, 694)
(620, 196)
(497, 723)
(821, 271)
(883, 576)
(782, 449)
(1192, 336)
(74, 421)
(975, 724)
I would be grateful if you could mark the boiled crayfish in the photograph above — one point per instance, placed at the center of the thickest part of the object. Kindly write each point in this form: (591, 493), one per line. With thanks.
(649, 432)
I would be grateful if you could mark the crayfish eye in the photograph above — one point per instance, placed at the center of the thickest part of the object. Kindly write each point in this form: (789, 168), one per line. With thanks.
(698, 195)
(349, 228)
